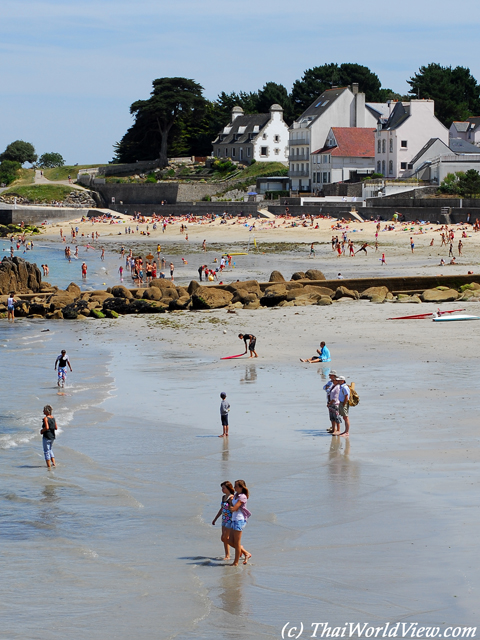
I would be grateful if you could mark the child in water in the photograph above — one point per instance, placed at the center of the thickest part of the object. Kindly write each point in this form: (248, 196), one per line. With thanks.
(224, 511)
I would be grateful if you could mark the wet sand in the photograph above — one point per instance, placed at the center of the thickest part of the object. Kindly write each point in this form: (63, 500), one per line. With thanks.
(378, 528)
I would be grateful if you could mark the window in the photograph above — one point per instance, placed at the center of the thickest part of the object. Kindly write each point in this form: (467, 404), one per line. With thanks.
(391, 145)
(277, 151)
(264, 137)
(276, 138)
(383, 167)
(318, 176)
(292, 167)
(248, 152)
(403, 166)
(314, 177)
(325, 177)
(379, 166)
(410, 166)
(384, 146)
(403, 144)
(263, 151)
(226, 151)
(233, 152)
(390, 167)
(379, 146)
(219, 152)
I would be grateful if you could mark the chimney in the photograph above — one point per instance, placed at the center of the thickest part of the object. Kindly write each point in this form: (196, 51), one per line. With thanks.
(236, 111)
(355, 88)
(359, 107)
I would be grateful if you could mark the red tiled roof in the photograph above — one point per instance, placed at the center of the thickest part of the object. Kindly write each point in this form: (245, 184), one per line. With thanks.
(352, 142)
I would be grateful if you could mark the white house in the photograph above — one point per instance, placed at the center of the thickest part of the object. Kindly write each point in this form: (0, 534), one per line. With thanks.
(468, 130)
(260, 136)
(348, 152)
(398, 140)
(436, 159)
(337, 107)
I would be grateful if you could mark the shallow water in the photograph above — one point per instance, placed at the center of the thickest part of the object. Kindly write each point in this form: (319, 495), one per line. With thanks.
(381, 528)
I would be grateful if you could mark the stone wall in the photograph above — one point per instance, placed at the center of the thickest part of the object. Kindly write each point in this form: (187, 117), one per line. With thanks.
(184, 208)
(128, 169)
(37, 215)
(153, 194)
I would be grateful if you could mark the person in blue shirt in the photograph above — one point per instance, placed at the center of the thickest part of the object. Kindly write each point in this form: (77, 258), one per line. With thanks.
(323, 355)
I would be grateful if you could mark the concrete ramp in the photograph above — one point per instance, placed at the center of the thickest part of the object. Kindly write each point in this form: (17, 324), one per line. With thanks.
(264, 213)
(355, 215)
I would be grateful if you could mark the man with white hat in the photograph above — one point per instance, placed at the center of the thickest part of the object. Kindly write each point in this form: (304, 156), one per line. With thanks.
(327, 388)
(343, 406)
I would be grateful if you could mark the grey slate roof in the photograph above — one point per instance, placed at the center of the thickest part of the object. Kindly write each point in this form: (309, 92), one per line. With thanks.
(457, 145)
(321, 104)
(426, 147)
(475, 120)
(398, 116)
(461, 126)
(247, 121)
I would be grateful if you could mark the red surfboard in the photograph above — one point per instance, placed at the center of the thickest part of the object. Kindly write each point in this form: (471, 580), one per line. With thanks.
(425, 315)
(230, 357)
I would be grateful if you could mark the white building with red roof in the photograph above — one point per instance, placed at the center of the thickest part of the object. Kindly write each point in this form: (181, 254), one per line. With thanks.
(348, 152)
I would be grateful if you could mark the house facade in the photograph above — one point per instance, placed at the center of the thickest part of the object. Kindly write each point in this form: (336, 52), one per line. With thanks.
(337, 107)
(408, 129)
(261, 136)
(348, 152)
(468, 130)
(436, 159)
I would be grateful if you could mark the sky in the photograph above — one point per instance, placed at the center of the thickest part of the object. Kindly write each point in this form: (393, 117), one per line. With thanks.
(70, 70)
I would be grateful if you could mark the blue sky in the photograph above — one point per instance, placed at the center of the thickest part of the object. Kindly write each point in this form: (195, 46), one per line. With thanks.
(70, 70)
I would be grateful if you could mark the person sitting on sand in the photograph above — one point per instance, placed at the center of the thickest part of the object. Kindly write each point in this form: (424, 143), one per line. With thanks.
(323, 355)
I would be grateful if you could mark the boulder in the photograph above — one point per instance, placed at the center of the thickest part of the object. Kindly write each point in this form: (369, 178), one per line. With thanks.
(314, 274)
(375, 294)
(96, 313)
(273, 295)
(55, 315)
(162, 283)
(74, 289)
(405, 298)
(19, 275)
(324, 301)
(168, 294)
(119, 291)
(182, 292)
(111, 314)
(276, 276)
(38, 309)
(276, 289)
(296, 284)
(323, 291)
(46, 287)
(249, 286)
(343, 292)
(193, 286)
(252, 305)
(73, 310)
(211, 298)
(152, 293)
(435, 295)
(60, 299)
(299, 275)
(307, 298)
(119, 305)
(22, 308)
(243, 297)
(180, 303)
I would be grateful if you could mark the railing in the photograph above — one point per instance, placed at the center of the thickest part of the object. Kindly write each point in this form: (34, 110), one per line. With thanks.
(301, 157)
(303, 141)
(304, 173)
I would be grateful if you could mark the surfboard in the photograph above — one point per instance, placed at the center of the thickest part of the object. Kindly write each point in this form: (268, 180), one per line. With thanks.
(454, 318)
(230, 357)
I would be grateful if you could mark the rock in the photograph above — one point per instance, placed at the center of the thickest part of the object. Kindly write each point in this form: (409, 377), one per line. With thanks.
(119, 291)
(273, 295)
(276, 289)
(193, 286)
(152, 293)
(307, 298)
(299, 275)
(81, 317)
(19, 276)
(314, 274)
(22, 308)
(182, 292)
(73, 310)
(294, 285)
(55, 315)
(74, 289)
(436, 295)
(180, 304)
(111, 314)
(276, 276)
(379, 293)
(211, 298)
(94, 304)
(163, 283)
(405, 298)
(137, 293)
(46, 287)
(287, 303)
(323, 291)
(252, 305)
(389, 297)
(324, 301)
(247, 286)
(167, 295)
(343, 292)
(119, 305)
(38, 309)
(243, 297)
(60, 299)
(95, 313)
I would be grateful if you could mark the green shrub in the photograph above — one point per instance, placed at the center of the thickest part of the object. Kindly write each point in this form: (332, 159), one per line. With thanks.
(207, 199)
(151, 178)
(9, 170)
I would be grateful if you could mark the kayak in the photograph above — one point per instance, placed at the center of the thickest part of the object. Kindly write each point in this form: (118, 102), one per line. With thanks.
(426, 315)
(453, 318)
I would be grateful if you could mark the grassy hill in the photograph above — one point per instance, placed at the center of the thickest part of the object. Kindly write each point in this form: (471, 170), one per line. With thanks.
(39, 192)
(62, 173)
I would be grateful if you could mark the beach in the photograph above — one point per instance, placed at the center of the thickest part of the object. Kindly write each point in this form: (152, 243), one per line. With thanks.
(378, 528)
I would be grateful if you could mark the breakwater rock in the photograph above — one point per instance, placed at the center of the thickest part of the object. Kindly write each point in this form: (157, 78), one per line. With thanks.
(20, 276)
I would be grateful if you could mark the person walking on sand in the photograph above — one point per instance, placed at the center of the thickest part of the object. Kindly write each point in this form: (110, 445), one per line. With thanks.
(62, 361)
(224, 511)
(240, 514)
(333, 407)
(412, 244)
(460, 246)
(344, 405)
(450, 250)
(11, 307)
(172, 269)
(224, 409)
(382, 259)
(252, 343)
(49, 426)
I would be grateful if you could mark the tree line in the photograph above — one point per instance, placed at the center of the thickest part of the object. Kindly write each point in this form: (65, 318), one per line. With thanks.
(177, 119)
(18, 153)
